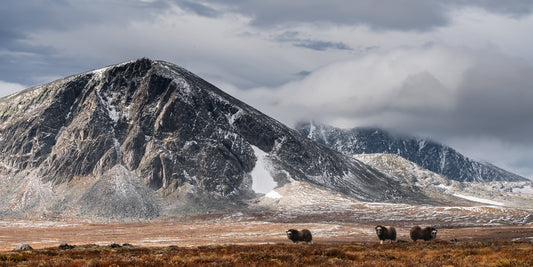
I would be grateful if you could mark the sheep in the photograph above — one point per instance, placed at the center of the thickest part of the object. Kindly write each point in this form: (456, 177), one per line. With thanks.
(299, 236)
(385, 233)
(427, 233)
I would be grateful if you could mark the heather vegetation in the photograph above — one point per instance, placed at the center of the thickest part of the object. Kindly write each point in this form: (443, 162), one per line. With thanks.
(433, 253)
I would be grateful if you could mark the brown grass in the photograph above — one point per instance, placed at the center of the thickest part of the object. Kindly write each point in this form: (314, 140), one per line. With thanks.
(256, 243)
(435, 253)
(220, 232)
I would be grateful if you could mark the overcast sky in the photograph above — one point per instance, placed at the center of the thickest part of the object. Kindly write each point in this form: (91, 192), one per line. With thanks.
(459, 72)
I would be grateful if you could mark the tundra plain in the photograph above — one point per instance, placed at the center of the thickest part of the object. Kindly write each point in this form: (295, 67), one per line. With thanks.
(239, 241)
(237, 228)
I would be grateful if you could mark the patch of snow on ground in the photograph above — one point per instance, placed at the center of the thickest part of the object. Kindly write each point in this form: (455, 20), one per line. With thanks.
(273, 194)
(523, 190)
(262, 181)
(443, 186)
(35, 224)
(480, 200)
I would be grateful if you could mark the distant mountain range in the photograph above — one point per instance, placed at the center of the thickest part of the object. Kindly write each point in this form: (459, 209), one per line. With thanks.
(430, 155)
(146, 138)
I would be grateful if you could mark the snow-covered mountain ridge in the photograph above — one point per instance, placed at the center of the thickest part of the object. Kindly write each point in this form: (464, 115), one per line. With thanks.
(430, 155)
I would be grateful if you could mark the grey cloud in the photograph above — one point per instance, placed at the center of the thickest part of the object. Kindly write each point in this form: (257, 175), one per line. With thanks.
(303, 73)
(496, 99)
(22, 16)
(516, 8)
(401, 15)
(419, 92)
(409, 15)
(493, 101)
(288, 36)
(21, 61)
(199, 8)
(501, 115)
(489, 96)
(322, 45)
(319, 45)
(8, 37)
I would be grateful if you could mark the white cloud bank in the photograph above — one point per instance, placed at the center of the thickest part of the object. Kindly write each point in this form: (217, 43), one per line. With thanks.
(432, 88)
(7, 88)
(438, 91)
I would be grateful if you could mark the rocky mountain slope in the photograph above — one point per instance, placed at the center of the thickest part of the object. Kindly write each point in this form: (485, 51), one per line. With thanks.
(461, 203)
(499, 193)
(303, 202)
(430, 155)
(145, 138)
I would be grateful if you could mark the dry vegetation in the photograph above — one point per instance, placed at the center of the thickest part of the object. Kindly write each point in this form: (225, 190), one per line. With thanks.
(435, 253)
(240, 240)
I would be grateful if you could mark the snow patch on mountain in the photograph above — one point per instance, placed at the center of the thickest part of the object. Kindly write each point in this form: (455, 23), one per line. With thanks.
(273, 194)
(523, 190)
(480, 200)
(300, 194)
(99, 72)
(233, 117)
(262, 181)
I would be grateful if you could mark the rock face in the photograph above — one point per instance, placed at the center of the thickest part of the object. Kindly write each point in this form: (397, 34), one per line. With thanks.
(430, 155)
(147, 138)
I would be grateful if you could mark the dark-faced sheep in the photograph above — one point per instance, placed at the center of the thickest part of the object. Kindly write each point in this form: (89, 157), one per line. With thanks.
(299, 236)
(427, 233)
(385, 233)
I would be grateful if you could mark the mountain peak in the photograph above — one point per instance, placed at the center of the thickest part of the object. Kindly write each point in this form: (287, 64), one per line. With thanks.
(152, 135)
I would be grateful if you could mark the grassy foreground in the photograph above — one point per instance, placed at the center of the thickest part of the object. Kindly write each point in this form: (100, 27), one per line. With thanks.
(435, 253)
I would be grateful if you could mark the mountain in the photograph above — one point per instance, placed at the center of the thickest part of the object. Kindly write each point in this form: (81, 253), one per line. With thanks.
(404, 170)
(430, 155)
(146, 138)
(497, 193)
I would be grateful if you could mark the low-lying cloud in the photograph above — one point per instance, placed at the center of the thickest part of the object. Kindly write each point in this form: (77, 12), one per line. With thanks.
(447, 93)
